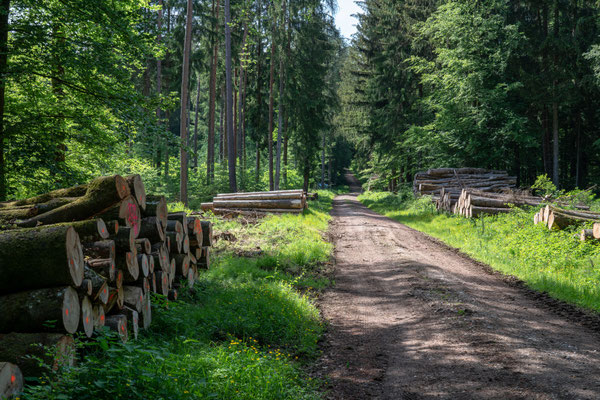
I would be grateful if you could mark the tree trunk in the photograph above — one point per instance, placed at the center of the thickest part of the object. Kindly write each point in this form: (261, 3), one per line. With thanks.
(4, 12)
(30, 311)
(259, 119)
(196, 125)
(323, 161)
(229, 101)
(158, 81)
(271, 105)
(212, 93)
(183, 193)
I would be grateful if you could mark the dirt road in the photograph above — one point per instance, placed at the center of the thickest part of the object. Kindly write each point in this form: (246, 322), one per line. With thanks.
(412, 319)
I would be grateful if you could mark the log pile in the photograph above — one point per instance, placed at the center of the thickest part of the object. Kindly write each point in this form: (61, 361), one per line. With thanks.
(259, 203)
(556, 218)
(454, 180)
(472, 203)
(86, 257)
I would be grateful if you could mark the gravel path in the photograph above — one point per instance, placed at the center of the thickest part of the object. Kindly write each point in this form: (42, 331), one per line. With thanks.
(411, 318)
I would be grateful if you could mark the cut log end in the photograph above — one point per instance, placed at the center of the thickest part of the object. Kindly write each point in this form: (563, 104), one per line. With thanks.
(71, 310)
(11, 380)
(87, 316)
(75, 258)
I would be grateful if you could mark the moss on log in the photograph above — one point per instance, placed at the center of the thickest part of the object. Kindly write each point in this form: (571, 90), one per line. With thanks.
(40, 257)
(23, 349)
(151, 228)
(75, 191)
(101, 194)
(30, 311)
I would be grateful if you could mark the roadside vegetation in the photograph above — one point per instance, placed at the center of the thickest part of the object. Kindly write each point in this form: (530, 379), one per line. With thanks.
(556, 262)
(246, 331)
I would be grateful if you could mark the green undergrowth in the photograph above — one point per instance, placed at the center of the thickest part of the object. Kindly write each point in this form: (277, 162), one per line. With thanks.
(246, 331)
(556, 262)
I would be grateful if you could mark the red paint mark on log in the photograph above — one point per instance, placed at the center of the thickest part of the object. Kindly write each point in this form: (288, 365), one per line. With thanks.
(87, 320)
(13, 379)
(67, 312)
(102, 318)
(123, 328)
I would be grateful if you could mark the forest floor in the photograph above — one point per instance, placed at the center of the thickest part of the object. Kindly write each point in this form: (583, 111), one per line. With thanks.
(411, 318)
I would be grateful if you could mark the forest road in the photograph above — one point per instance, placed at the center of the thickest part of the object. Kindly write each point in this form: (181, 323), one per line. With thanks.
(410, 318)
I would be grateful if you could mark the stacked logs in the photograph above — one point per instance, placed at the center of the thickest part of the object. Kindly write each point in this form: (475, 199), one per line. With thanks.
(65, 269)
(472, 203)
(256, 203)
(556, 218)
(453, 180)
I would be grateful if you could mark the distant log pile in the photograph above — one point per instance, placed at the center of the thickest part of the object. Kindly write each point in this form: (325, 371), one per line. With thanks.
(470, 192)
(87, 257)
(257, 203)
(472, 203)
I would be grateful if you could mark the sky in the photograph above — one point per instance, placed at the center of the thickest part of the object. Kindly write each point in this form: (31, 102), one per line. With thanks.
(343, 19)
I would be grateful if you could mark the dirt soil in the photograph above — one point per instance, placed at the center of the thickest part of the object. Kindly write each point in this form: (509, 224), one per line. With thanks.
(410, 318)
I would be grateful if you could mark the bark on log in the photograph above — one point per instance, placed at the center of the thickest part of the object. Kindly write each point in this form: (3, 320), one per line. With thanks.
(124, 240)
(129, 264)
(103, 267)
(162, 282)
(102, 249)
(264, 196)
(101, 194)
(182, 263)
(258, 204)
(223, 195)
(207, 206)
(475, 211)
(133, 297)
(174, 226)
(133, 320)
(127, 212)
(29, 311)
(204, 259)
(11, 380)
(207, 235)
(118, 323)
(151, 228)
(40, 257)
(253, 212)
(75, 191)
(143, 245)
(180, 216)
(54, 349)
(558, 220)
(136, 187)
(156, 206)
(176, 241)
(146, 317)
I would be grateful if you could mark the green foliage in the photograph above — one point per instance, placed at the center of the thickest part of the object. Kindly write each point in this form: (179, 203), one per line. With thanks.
(545, 186)
(555, 262)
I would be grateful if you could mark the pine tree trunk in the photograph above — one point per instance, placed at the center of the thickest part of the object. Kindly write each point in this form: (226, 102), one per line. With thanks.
(229, 101)
(210, 154)
(158, 82)
(195, 163)
(271, 105)
(4, 12)
(183, 194)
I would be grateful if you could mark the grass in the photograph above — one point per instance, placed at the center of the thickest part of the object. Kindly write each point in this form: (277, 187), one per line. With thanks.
(555, 262)
(246, 331)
